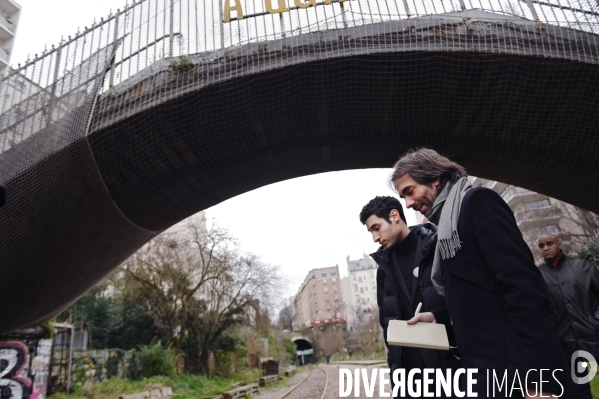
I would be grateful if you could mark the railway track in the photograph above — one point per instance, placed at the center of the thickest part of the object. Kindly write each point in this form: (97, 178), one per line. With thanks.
(314, 386)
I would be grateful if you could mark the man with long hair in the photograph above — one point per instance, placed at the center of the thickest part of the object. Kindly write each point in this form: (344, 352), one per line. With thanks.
(496, 297)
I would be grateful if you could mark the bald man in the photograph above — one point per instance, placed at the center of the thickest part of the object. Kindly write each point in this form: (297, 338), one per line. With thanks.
(574, 293)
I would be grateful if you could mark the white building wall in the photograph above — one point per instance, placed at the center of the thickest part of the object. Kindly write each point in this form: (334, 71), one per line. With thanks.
(362, 282)
(10, 13)
(347, 300)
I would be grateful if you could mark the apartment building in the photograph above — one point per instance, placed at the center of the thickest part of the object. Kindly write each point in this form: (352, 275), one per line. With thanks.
(10, 12)
(362, 282)
(319, 299)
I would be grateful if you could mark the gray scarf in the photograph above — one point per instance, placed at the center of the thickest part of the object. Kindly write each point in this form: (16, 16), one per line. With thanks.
(445, 213)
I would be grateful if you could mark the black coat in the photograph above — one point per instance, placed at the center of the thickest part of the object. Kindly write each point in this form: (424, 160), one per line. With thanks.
(497, 299)
(574, 292)
(388, 294)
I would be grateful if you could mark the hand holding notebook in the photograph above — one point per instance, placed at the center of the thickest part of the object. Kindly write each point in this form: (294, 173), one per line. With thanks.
(420, 335)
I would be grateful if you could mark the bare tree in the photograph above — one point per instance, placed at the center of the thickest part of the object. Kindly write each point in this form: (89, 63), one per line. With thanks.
(196, 285)
(286, 318)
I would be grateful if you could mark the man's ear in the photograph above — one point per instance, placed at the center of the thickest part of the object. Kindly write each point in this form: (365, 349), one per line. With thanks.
(436, 182)
(394, 216)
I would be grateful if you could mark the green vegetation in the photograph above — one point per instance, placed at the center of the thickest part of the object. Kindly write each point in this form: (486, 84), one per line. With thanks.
(185, 386)
(595, 387)
(182, 64)
(590, 251)
(156, 360)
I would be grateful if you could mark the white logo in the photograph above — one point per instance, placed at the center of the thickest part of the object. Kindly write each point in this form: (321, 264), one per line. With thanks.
(415, 271)
(589, 364)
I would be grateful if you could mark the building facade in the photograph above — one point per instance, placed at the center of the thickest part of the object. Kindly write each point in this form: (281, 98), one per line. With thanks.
(347, 301)
(537, 214)
(319, 299)
(10, 12)
(362, 282)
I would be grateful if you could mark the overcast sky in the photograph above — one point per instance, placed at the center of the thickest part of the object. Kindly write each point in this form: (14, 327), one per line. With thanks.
(299, 224)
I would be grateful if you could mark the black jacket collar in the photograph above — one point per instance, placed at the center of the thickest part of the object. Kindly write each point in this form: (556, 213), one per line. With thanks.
(427, 235)
(559, 262)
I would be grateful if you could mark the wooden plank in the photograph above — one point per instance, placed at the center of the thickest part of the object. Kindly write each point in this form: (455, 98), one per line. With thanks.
(241, 392)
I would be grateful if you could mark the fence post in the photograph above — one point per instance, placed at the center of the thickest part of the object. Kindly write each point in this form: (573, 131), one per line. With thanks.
(343, 17)
(54, 84)
(407, 7)
(114, 41)
(172, 23)
(221, 12)
(532, 10)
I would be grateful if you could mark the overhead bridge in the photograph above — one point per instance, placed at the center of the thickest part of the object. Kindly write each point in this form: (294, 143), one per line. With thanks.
(106, 155)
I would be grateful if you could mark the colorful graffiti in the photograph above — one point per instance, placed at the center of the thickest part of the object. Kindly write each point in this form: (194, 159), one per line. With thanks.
(24, 369)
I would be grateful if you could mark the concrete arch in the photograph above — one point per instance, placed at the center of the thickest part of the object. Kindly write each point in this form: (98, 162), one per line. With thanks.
(305, 350)
(521, 110)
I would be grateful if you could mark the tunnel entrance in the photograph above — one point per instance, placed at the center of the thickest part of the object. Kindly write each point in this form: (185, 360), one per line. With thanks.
(305, 351)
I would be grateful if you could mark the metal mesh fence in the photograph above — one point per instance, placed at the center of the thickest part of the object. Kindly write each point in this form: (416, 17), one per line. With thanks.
(163, 109)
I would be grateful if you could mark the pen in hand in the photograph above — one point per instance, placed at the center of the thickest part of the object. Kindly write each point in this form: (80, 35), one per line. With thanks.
(418, 309)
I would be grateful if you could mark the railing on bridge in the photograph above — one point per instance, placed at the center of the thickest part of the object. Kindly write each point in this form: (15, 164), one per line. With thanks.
(57, 81)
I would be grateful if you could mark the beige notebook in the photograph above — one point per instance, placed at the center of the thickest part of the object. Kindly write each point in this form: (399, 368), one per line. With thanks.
(419, 335)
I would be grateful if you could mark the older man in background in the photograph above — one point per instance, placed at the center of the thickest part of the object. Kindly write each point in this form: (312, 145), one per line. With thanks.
(574, 292)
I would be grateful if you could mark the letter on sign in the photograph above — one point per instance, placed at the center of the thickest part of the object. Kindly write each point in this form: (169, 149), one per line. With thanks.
(229, 8)
(310, 3)
(282, 7)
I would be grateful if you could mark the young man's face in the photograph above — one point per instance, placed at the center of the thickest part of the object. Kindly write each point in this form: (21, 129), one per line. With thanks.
(418, 196)
(385, 233)
(550, 247)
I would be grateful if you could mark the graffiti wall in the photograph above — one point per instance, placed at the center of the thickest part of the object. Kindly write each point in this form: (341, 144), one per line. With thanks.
(24, 368)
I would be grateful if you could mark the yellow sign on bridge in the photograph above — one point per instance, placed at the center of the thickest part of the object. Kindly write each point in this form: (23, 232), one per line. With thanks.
(281, 7)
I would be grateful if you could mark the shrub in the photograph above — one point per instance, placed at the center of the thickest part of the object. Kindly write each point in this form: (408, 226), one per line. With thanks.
(590, 251)
(156, 359)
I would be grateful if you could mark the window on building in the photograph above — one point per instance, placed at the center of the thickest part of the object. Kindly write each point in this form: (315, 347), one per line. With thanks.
(326, 298)
(313, 283)
(337, 306)
(326, 289)
(374, 285)
(357, 298)
(333, 273)
(324, 281)
(334, 280)
(315, 300)
(372, 273)
(354, 275)
(550, 229)
(366, 288)
(329, 316)
(355, 287)
(328, 307)
(361, 290)
(335, 288)
(374, 297)
(338, 314)
(314, 292)
(363, 301)
(323, 274)
(538, 204)
(359, 279)
(313, 276)
(336, 298)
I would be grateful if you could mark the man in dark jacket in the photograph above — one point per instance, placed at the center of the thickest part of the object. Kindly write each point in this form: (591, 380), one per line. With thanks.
(403, 280)
(496, 297)
(574, 292)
